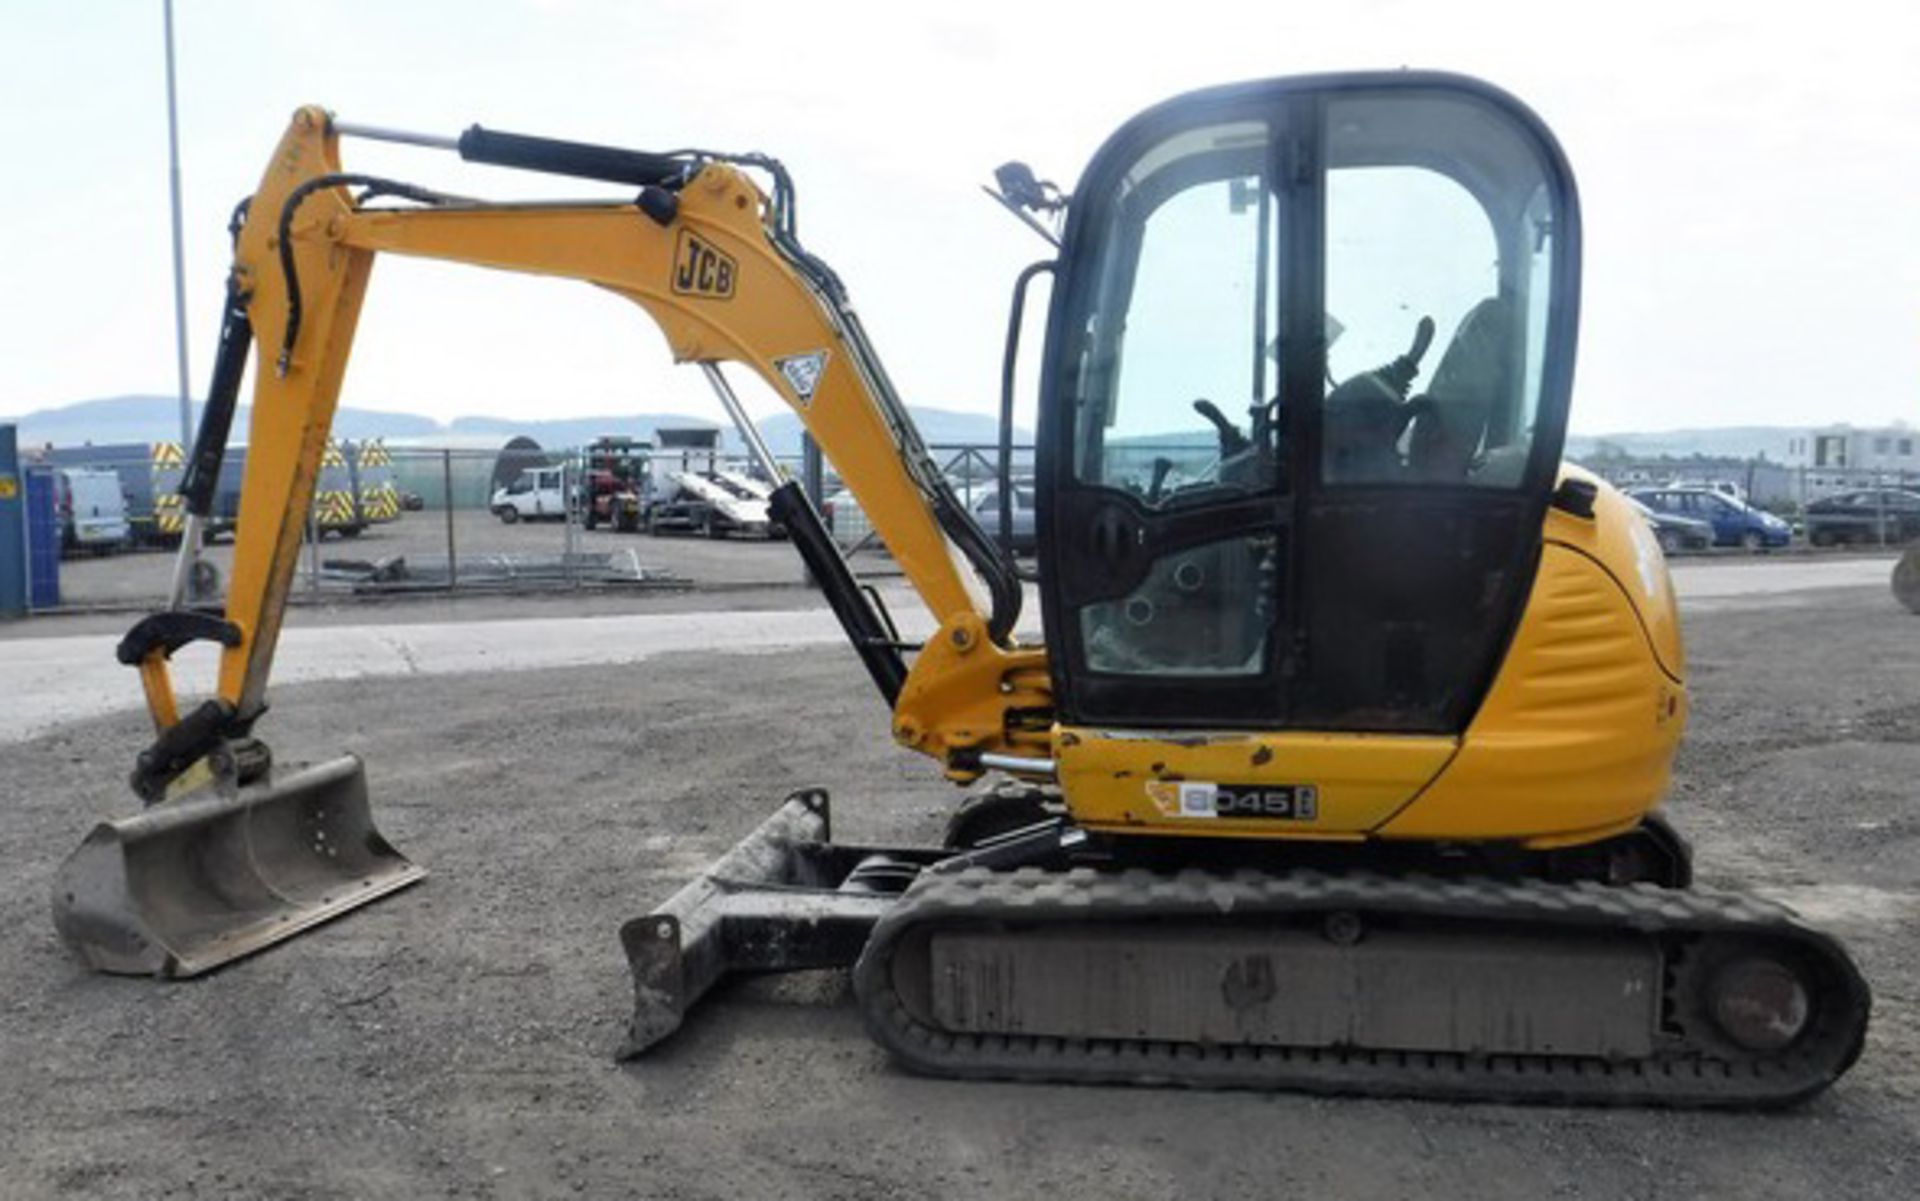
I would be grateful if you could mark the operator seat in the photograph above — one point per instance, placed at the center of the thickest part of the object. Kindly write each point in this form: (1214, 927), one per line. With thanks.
(1449, 422)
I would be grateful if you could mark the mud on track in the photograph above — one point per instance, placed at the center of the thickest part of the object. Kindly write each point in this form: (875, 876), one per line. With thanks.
(456, 1040)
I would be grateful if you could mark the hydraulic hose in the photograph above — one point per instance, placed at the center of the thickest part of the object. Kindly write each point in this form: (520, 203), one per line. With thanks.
(290, 271)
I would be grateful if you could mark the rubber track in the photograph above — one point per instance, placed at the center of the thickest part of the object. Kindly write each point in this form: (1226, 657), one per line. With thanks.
(1688, 1070)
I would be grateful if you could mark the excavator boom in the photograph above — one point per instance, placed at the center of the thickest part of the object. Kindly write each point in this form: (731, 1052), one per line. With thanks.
(713, 261)
(701, 251)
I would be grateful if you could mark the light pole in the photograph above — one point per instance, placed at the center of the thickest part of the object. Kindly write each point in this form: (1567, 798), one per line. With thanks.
(190, 531)
(179, 257)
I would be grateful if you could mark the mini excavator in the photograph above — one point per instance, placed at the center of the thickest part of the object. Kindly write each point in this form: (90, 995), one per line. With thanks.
(1339, 766)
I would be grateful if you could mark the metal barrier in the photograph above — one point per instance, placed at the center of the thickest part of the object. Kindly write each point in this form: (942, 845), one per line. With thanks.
(390, 520)
(1877, 506)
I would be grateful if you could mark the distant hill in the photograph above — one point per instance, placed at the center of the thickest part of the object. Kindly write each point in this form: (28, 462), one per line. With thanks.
(564, 431)
(938, 427)
(157, 419)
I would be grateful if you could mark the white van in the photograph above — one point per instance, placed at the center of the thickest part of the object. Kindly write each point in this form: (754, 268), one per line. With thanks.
(536, 494)
(93, 510)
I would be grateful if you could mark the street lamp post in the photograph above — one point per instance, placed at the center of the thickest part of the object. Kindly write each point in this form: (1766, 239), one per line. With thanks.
(179, 257)
(190, 532)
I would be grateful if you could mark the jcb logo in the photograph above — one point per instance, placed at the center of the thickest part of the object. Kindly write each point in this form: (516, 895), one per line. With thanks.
(699, 269)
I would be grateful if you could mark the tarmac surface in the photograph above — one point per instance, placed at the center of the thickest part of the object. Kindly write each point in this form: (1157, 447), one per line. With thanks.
(457, 1039)
(65, 662)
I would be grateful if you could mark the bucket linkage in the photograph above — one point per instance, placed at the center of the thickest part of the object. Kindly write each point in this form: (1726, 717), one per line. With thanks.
(226, 859)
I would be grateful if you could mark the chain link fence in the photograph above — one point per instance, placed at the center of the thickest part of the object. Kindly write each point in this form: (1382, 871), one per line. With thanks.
(1824, 506)
(396, 520)
(389, 520)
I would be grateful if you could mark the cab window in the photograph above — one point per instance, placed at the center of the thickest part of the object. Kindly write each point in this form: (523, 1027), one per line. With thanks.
(1179, 376)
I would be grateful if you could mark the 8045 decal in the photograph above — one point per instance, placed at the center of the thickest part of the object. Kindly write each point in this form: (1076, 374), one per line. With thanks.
(1204, 798)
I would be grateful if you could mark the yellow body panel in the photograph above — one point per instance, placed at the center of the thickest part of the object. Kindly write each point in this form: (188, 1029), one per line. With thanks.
(959, 693)
(1573, 742)
(1619, 540)
(1131, 781)
(292, 411)
(1577, 736)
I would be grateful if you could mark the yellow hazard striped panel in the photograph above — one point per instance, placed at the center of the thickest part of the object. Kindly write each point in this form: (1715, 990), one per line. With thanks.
(374, 454)
(168, 454)
(169, 513)
(380, 502)
(333, 457)
(333, 509)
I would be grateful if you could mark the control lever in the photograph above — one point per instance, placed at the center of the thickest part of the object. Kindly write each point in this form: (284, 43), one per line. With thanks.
(1232, 441)
(1399, 374)
(1162, 467)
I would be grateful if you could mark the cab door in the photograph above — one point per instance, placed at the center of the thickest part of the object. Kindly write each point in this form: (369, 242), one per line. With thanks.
(1166, 515)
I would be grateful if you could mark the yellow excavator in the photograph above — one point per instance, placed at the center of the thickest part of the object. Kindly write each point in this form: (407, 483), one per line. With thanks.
(1338, 768)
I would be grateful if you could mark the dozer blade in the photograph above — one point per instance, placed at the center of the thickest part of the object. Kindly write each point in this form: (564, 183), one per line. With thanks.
(195, 882)
(783, 899)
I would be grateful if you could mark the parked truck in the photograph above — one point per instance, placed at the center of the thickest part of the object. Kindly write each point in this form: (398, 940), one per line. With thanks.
(337, 504)
(706, 502)
(91, 510)
(336, 499)
(375, 492)
(149, 483)
(616, 474)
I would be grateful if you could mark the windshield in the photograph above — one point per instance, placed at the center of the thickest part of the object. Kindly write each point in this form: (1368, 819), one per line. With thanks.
(1419, 325)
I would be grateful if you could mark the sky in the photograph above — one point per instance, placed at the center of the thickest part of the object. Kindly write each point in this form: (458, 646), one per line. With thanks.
(1748, 172)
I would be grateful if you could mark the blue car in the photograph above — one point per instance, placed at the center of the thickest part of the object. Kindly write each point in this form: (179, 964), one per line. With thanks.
(1734, 523)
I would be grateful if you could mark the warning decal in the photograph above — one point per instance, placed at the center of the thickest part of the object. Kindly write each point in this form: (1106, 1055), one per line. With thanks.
(802, 373)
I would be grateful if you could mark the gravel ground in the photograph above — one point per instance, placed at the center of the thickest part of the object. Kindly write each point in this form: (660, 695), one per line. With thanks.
(456, 1039)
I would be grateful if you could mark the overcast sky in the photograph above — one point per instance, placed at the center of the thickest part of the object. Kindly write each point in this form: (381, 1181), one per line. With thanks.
(1750, 174)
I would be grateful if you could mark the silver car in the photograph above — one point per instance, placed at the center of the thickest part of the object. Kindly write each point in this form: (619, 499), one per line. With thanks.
(986, 510)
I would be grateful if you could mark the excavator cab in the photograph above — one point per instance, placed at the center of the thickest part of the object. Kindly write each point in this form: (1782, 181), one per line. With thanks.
(1305, 390)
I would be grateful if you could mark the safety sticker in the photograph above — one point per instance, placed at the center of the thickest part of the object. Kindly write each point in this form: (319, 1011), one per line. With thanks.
(1184, 798)
(802, 373)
